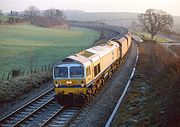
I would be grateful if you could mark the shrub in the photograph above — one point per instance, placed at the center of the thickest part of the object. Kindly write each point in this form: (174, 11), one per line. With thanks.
(161, 69)
(16, 72)
(11, 89)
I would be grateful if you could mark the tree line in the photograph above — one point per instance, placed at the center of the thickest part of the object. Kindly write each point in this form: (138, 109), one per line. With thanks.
(154, 21)
(47, 18)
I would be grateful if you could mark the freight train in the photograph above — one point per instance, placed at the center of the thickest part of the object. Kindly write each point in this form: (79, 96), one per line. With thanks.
(79, 76)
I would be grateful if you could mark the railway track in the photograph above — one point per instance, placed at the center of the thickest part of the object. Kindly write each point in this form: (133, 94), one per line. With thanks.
(41, 111)
(23, 113)
(61, 117)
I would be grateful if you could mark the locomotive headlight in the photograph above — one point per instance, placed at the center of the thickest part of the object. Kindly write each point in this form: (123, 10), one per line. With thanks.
(82, 85)
(69, 82)
(56, 85)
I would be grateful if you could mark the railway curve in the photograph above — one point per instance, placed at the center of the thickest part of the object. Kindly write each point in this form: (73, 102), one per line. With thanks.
(114, 32)
(118, 30)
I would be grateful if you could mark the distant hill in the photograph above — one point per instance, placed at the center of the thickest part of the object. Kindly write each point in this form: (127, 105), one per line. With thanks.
(81, 15)
(115, 18)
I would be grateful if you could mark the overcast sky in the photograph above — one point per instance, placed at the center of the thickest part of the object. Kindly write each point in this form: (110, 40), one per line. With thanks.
(170, 6)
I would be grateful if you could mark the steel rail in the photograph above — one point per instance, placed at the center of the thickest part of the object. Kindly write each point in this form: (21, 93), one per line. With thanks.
(52, 117)
(22, 107)
(32, 113)
(124, 92)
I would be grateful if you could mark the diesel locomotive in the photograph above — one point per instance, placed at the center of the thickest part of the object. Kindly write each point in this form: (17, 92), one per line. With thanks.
(79, 76)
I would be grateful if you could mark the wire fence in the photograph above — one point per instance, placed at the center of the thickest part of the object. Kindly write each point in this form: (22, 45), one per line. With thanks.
(18, 73)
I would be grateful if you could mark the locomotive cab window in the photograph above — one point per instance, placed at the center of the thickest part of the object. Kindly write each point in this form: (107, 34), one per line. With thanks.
(88, 71)
(61, 72)
(77, 72)
(97, 69)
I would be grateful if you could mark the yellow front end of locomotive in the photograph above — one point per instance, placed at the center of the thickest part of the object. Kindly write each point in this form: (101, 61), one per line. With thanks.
(70, 86)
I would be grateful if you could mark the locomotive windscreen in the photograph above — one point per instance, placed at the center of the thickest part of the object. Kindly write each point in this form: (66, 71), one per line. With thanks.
(61, 72)
(77, 72)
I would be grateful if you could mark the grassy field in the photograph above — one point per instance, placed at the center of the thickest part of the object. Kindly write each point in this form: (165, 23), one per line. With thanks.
(21, 44)
(148, 37)
(3, 18)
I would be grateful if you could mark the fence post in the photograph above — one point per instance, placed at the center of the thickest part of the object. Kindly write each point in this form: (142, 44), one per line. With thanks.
(45, 68)
(42, 68)
(49, 67)
(8, 75)
(23, 73)
(3, 76)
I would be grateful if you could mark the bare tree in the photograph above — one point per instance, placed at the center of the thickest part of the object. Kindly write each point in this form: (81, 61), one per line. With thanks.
(53, 13)
(13, 13)
(156, 21)
(32, 12)
(49, 12)
(59, 13)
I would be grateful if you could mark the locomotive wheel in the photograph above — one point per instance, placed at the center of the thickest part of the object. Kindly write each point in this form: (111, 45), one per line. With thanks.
(98, 84)
(110, 74)
(88, 97)
(102, 82)
(94, 89)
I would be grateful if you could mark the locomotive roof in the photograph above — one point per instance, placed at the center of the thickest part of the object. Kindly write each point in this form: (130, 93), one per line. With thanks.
(94, 53)
(121, 37)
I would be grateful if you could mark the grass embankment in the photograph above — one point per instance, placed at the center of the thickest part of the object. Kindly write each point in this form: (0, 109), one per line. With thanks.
(22, 44)
(147, 36)
(175, 49)
(13, 88)
(153, 98)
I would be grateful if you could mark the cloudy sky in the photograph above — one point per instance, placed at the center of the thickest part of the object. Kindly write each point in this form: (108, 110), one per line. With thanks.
(170, 6)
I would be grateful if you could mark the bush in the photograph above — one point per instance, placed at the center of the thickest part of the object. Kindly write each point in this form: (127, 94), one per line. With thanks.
(48, 21)
(161, 70)
(11, 89)
(16, 72)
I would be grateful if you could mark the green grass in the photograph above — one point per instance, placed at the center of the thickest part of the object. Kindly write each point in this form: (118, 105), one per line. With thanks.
(148, 37)
(19, 44)
(3, 18)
